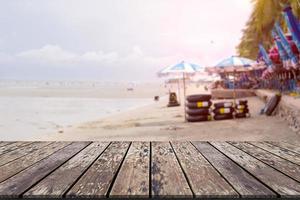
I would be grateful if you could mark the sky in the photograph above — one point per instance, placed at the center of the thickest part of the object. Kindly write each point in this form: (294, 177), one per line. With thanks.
(111, 40)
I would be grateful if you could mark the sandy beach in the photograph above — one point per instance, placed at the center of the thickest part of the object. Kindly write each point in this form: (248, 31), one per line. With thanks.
(112, 113)
(155, 121)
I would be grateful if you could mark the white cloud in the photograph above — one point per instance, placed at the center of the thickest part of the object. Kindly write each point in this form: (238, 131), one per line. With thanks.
(47, 54)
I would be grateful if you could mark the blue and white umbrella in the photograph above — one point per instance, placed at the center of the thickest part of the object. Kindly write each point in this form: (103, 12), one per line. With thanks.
(182, 68)
(235, 61)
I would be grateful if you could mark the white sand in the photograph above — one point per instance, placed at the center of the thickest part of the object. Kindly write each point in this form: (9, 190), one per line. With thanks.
(65, 111)
(158, 122)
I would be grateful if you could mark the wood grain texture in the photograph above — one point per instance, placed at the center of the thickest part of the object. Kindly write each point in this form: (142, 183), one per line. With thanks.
(133, 178)
(24, 162)
(244, 183)
(18, 184)
(279, 151)
(97, 180)
(10, 147)
(54, 186)
(272, 160)
(279, 182)
(167, 178)
(12, 155)
(204, 179)
(292, 147)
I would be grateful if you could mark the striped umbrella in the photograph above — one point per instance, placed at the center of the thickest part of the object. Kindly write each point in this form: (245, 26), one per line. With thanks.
(181, 69)
(293, 25)
(293, 60)
(235, 61)
(283, 55)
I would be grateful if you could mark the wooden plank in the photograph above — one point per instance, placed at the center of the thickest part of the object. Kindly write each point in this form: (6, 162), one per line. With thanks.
(279, 151)
(18, 184)
(12, 155)
(53, 186)
(279, 182)
(12, 146)
(133, 178)
(244, 183)
(204, 180)
(97, 180)
(292, 147)
(5, 143)
(272, 160)
(22, 163)
(167, 178)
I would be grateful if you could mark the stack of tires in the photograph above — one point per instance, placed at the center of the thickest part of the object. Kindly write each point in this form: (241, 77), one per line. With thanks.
(241, 109)
(198, 108)
(223, 110)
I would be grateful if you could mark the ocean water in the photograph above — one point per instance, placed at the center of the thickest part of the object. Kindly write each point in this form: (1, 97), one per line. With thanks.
(23, 118)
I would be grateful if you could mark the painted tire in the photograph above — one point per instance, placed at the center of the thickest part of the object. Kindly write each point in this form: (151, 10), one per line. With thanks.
(241, 107)
(240, 111)
(223, 104)
(242, 102)
(197, 111)
(223, 110)
(241, 115)
(200, 118)
(200, 104)
(198, 97)
(272, 104)
(223, 117)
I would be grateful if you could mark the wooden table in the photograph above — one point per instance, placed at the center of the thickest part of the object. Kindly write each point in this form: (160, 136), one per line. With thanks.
(149, 169)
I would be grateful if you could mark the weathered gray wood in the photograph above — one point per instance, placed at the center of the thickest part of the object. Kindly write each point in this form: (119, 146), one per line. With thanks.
(279, 182)
(97, 180)
(12, 146)
(54, 185)
(242, 181)
(204, 180)
(5, 143)
(133, 178)
(168, 180)
(279, 151)
(12, 155)
(18, 184)
(288, 146)
(278, 163)
(22, 163)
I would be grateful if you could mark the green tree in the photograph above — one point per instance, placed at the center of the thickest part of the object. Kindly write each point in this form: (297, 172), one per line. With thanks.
(258, 28)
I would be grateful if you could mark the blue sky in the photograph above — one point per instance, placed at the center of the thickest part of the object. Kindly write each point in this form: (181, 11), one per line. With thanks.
(115, 39)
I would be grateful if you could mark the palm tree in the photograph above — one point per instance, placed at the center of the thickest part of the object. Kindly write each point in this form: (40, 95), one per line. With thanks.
(258, 28)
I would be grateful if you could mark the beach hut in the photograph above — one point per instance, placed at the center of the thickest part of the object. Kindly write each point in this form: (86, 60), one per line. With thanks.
(183, 69)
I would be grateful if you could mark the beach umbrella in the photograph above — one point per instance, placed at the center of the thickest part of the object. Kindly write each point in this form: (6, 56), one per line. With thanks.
(293, 60)
(233, 63)
(293, 25)
(183, 69)
(283, 55)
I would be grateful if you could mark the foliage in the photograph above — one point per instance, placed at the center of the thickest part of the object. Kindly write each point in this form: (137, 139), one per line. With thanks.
(258, 28)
